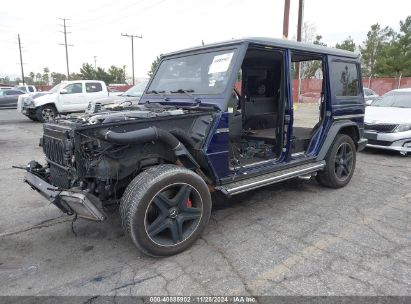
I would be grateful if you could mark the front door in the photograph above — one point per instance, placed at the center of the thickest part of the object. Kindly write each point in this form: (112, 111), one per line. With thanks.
(256, 111)
(72, 97)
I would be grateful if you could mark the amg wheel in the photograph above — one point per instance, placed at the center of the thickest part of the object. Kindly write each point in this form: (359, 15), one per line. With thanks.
(165, 209)
(46, 113)
(340, 163)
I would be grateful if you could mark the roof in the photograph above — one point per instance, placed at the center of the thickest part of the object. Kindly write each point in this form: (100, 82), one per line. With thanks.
(281, 43)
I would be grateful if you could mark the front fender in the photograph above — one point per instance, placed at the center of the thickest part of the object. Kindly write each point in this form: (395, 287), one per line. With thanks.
(47, 99)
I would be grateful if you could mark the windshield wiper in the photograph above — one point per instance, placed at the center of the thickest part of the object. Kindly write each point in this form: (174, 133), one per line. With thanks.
(155, 92)
(187, 92)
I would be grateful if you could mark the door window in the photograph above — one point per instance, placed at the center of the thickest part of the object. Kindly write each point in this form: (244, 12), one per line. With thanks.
(93, 87)
(74, 88)
(344, 78)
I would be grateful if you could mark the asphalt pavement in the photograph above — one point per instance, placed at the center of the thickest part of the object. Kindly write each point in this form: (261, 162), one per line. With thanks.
(292, 238)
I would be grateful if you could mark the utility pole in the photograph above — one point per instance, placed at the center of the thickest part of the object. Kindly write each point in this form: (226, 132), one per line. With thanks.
(95, 62)
(65, 44)
(21, 60)
(286, 18)
(299, 30)
(300, 19)
(132, 50)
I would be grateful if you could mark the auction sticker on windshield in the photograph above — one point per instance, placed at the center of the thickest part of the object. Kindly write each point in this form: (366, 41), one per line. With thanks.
(220, 63)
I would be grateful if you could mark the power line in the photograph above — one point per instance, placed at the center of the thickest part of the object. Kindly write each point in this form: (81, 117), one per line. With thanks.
(66, 45)
(132, 49)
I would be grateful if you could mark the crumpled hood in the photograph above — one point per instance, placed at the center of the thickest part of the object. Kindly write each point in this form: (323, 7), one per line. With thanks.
(387, 115)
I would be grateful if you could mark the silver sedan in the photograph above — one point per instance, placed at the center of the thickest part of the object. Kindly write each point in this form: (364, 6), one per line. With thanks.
(388, 122)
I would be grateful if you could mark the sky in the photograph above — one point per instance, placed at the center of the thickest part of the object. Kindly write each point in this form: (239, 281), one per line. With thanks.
(166, 25)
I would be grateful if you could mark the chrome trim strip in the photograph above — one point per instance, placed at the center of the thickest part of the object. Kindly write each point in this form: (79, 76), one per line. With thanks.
(222, 130)
(348, 116)
(274, 179)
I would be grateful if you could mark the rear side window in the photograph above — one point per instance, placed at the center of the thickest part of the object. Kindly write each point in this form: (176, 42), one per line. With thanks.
(92, 87)
(345, 79)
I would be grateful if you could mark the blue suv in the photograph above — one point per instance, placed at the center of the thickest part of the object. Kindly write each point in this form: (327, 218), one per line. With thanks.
(228, 117)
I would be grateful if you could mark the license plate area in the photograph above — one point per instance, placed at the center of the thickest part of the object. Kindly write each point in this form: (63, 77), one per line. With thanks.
(371, 135)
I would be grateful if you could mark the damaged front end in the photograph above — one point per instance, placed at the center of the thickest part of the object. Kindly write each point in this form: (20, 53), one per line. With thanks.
(91, 159)
(73, 201)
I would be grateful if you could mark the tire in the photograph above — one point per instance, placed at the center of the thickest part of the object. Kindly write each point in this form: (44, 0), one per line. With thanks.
(33, 118)
(340, 163)
(46, 113)
(165, 209)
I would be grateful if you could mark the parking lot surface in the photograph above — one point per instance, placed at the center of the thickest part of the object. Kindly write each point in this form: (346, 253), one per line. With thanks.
(293, 238)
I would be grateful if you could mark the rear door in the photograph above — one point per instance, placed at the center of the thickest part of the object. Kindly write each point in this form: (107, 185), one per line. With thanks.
(347, 99)
(94, 91)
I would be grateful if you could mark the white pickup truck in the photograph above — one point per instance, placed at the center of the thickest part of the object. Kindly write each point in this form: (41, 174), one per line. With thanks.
(66, 97)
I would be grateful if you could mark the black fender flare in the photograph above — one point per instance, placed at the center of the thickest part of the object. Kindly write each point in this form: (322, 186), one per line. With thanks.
(333, 132)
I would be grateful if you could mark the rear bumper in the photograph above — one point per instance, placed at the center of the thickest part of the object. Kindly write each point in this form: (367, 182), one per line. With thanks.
(84, 204)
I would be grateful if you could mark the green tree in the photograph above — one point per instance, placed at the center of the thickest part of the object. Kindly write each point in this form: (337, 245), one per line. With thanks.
(348, 44)
(87, 72)
(56, 78)
(45, 76)
(102, 75)
(38, 77)
(154, 65)
(5, 80)
(118, 74)
(372, 50)
(75, 76)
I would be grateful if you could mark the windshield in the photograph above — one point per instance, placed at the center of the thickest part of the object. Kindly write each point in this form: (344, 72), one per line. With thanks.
(395, 99)
(206, 73)
(137, 90)
(56, 88)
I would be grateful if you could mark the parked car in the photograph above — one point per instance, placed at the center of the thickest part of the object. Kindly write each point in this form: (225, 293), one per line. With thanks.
(125, 99)
(8, 98)
(369, 96)
(5, 88)
(388, 122)
(66, 97)
(193, 134)
(27, 88)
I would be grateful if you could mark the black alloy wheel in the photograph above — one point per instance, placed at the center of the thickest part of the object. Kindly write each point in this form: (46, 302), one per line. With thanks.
(340, 163)
(165, 209)
(344, 161)
(173, 214)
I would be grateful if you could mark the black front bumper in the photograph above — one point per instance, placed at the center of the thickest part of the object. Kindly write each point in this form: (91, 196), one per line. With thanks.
(84, 204)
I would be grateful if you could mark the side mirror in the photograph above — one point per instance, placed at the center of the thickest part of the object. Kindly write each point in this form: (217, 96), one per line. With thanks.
(63, 91)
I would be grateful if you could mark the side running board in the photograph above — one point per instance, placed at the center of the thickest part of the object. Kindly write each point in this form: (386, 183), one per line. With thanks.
(255, 182)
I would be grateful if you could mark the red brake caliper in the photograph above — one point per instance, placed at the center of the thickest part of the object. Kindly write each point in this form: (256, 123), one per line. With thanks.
(189, 203)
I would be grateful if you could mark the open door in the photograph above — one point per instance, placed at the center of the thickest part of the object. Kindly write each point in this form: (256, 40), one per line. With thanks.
(256, 110)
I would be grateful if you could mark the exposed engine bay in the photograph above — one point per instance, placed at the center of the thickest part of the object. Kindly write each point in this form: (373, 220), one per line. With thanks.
(99, 154)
